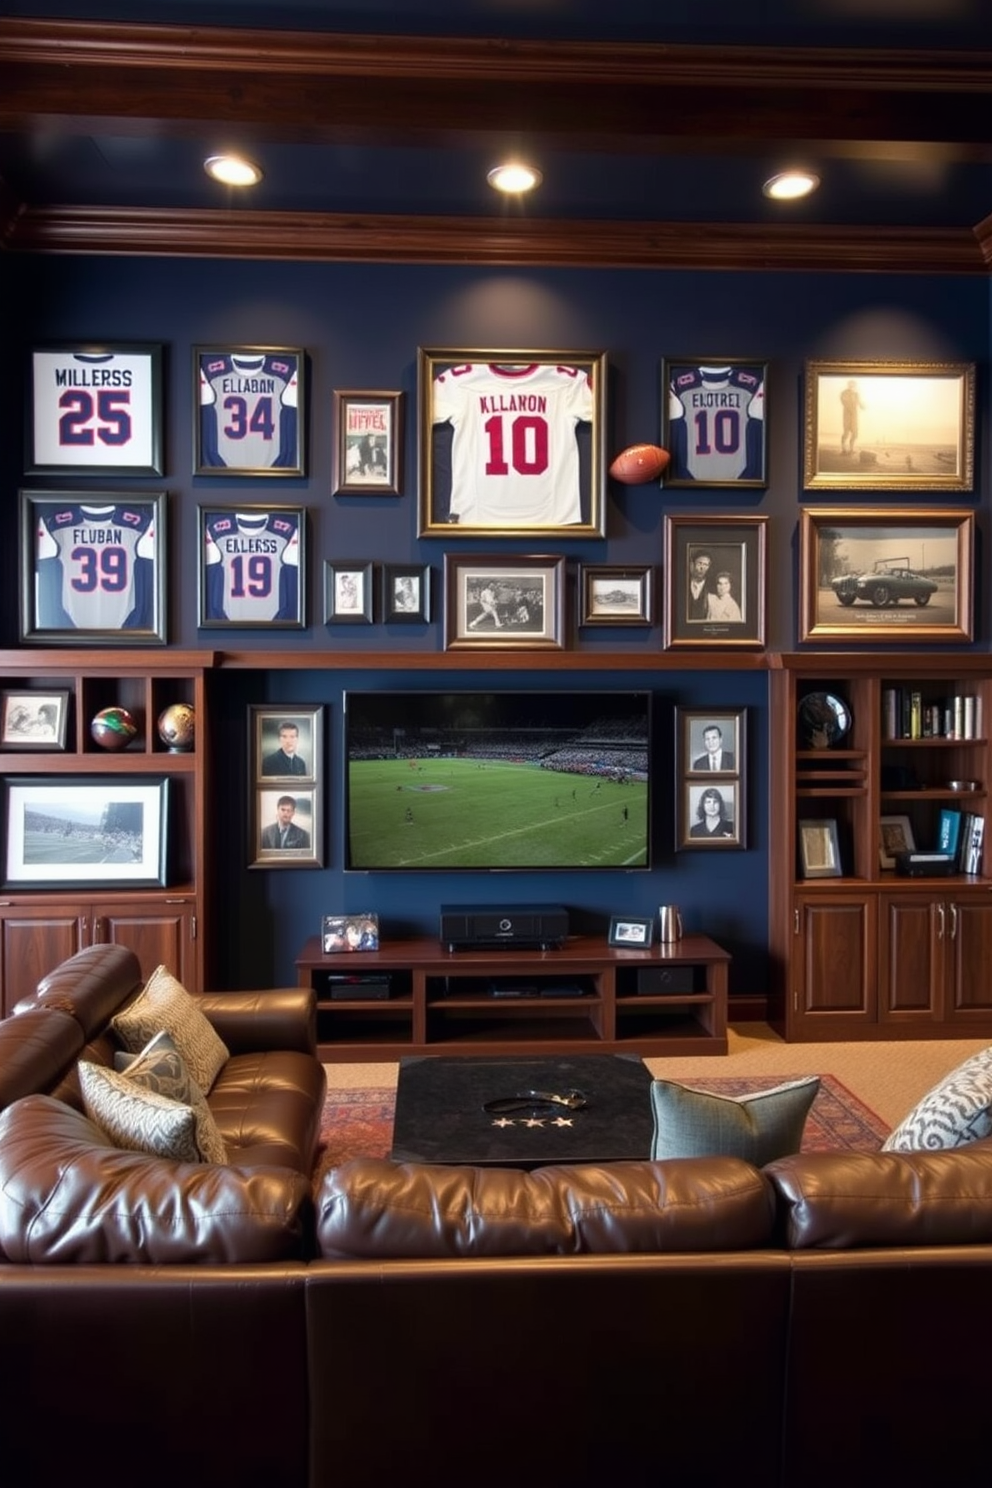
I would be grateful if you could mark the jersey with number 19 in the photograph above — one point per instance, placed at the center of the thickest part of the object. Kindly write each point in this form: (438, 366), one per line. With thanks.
(251, 566)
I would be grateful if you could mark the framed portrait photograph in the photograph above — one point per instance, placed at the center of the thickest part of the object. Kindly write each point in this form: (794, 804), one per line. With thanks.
(512, 442)
(628, 932)
(93, 568)
(889, 426)
(368, 444)
(615, 595)
(285, 826)
(715, 582)
(252, 567)
(711, 813)
(32, 720)
(249, 410)
(819, 849)
(285, 743)
(714, 422)
(348, 595)
(711, 742)
(86, 832)
(503, 602)
(95, 409)
(406, 593)
(881, 574)
(349, 932)
(895, 835)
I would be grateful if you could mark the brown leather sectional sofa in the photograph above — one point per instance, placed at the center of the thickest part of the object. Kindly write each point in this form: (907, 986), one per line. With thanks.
(692, 1324)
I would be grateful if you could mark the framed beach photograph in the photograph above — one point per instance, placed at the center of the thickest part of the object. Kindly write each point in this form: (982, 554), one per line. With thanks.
(348, 595)
(286, 826)
(615, 596)
(93, 568)
(32, 720)
(285, 743)
(895, 835)
(710, 742)
(349, 932)
(715, 582)
(714, 422)
(819, 849)
(94, 409)
(710, 813)
(512, 442)
(503, 602)
(630, 933)
(896, 426)
(86, 832)
(367, 457)
(252, 567)
(406, 593)
(886, 574)
(248, 410)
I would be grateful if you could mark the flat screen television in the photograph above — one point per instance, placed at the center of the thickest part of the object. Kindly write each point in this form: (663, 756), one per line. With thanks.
(497, 780)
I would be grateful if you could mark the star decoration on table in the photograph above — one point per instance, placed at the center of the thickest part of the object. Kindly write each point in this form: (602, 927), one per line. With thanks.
(534, 1121)
(563, 1121)
(503, 1121)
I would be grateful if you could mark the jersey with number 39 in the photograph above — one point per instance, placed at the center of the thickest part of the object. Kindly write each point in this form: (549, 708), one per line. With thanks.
(716, 423)
(96, 567)
(248, 411)
(251, 566)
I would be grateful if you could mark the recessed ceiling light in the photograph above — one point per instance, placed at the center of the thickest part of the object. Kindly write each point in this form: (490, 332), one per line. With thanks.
(233, 170)
(514, 178)
(791, 185)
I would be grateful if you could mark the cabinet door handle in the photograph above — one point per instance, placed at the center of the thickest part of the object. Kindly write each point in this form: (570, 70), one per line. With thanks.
(940, 922)
(954, 922)
(795, 922)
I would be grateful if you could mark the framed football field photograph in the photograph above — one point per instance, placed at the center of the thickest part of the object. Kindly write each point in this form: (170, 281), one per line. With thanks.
(94, 409)
(249, 410)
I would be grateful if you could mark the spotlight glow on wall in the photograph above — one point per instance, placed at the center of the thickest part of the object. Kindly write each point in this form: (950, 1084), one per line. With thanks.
(233, 170)
(790, 185)
(514, 177)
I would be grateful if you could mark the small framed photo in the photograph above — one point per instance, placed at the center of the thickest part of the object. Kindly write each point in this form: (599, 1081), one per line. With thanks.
(629, 932)
(368, 444)
(715, 582)
(252, 567)
(86, 832)
(286, 743)
(889, 426)
(286, 828)
(33, 721)
(93, 568)
(249, 410)
(348, 593)
(406, 593)
(286, 785)
(881, 574)
(512, 442)
(711, 814)
(351, 932)
(615, 596)
(710, 743)
(819, 849)
(715, 422)
(95, 409)
(895, 835)
(503, 602)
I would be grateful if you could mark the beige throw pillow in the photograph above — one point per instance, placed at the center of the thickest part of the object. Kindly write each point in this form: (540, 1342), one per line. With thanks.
(165, 1004)
(154, 1107)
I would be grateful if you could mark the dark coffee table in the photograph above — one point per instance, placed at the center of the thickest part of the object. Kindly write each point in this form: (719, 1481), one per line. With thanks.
(440, 1116)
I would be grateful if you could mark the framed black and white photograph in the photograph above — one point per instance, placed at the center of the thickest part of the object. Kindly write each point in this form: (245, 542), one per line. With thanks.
(819, 849)
(368, 444)
(86, 832)
(349, 932)
(615, 595)
(630, 933)
(715, 582)
(286, 743)
(285, 785)
(710, 813)
(252, 567)
(512, 442)
(286, 830)
(715, 422)
(895, 835)
(711, 741)
(32, 720)
(889, 426)
(95, 409)
(348, 596)
(249, 410)
(886, 574)
(503, 602)
(406, 592)
(93, 568)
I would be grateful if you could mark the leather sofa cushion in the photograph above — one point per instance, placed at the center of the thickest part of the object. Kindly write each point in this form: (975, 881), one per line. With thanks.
(268, 1108)
(36, 1048)
(371, 1207)
(91, 986)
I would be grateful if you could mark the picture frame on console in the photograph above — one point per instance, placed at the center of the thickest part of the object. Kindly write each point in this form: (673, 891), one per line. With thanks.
(367, 458)
(630, 933)
(819, 849)
(349, 932)
(715, 582)
(32, 721)
(510, 603)
(610, 595)
(714, 422)
(85, 831)
(286, 785)
(94, 409)
(348, 592)
(249, 411)
(252, 573)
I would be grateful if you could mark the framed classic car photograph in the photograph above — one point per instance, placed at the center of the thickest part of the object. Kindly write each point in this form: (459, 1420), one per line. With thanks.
(94, 409)
(512, 442)
(85, 831)
(249, 410)
(32, 720)
(881, 574)
(406, 593)
(714, 422)
(348, 594)
(368, 444)
(252, 567)
(715, 582)
(503, 602)
(93, 568)
(615, 595)
(896, 426)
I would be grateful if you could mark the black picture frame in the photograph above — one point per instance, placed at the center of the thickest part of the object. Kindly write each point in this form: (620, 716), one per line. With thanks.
(819, 849)
(630, 932)
(85, 831)
(715, 423)
(33, 720)
(349, 933)
(348, 592)
(615, 594)
(94, 408)
(406, 593)
(368, 443)
(286, 764)
(261, 393)
(735, 547)
(253, 570)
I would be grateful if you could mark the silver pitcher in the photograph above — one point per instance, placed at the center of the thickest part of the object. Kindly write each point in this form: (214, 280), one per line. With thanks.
(669, 922)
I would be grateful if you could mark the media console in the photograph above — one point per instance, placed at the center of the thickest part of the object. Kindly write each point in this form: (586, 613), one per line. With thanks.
(585, 996)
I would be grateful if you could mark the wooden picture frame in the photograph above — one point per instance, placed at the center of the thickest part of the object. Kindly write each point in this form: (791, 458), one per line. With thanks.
(714, 422)
(94, 409)
(367, 455)
(286, 765)
(819, 849)
(348, 593)
(711, 830)
(729, 608)
(249, 410)
(616, 594)
(895, 835)
(85, 832)
(630, 933)
(93, 568)
(406, 593)
(711, 741)
(513, 603)
(886, 574)
(34, 721)
(512, 442)
(252, 572)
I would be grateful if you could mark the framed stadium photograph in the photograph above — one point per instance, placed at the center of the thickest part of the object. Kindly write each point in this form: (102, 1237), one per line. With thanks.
(348, 596)
(715, 582)
(368, 444)
(252, 567)
(491, 602)
(86, 832)
(511, 442)
(714, 422)
(93, 568)
(249, 410)
(889, 426)
(32, 720)
(95, 409)
(615, 595)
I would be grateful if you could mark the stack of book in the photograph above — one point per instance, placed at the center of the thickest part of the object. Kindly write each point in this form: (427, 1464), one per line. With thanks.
(962, 834)
(905, 715)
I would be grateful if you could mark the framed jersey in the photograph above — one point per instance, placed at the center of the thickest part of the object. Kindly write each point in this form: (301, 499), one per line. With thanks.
(714, 422)
(252, 569)
(511, 442)
(96, 409)
(248, 411)
(93, 568)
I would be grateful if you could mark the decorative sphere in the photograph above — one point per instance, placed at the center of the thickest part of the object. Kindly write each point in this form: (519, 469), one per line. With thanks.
(113, 728)
(177, 725)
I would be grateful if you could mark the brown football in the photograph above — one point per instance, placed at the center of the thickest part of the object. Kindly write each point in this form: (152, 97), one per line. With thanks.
(639, 463)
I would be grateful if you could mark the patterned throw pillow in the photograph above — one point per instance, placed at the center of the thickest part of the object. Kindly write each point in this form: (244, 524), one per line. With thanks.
(165, 1004)
(956, 1111)
(154, 1107)
(758, 1127)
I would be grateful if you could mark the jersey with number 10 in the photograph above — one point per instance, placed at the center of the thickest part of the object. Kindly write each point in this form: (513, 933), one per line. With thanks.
(251, 567)
(716, 423)
(96, 567)
(248, 411)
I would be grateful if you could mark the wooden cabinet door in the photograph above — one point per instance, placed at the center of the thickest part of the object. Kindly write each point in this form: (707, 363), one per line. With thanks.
(34, 939)
(968, 960)
(160, 934)
(912, 933)
(834, 966)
